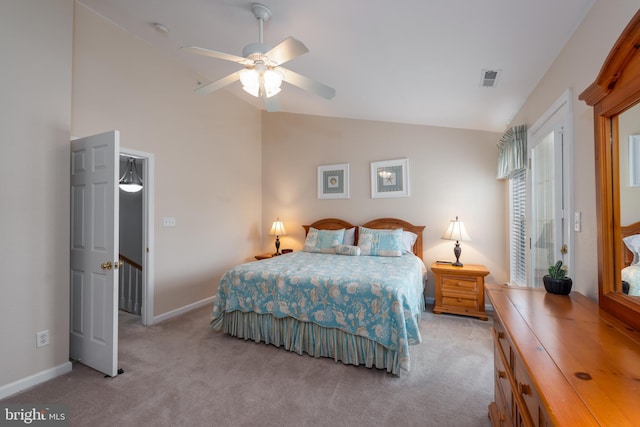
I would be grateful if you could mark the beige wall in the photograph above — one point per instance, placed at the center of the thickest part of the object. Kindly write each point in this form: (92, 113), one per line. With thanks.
(35, 106)
(206, 148)
(575, 68)
(452, 172)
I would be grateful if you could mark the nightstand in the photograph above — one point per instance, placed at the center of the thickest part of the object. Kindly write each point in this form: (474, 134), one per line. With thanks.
(460, 290)
(265, 255)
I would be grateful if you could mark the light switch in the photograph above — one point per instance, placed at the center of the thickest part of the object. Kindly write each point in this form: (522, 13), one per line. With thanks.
(168, 221)
(577, 221)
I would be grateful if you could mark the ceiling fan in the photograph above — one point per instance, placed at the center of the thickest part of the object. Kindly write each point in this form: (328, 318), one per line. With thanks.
(263, 74)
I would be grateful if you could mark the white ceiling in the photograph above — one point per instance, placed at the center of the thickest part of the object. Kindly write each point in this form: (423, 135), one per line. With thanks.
(405, 61)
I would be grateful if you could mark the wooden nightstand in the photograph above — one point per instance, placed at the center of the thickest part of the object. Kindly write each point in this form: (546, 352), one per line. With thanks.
(460, 290)
(265, 255)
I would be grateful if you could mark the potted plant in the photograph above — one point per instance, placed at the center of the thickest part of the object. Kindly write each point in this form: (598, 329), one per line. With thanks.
(556, 281)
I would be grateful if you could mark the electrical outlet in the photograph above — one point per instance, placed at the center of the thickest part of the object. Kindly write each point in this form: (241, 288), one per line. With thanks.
(42, 338)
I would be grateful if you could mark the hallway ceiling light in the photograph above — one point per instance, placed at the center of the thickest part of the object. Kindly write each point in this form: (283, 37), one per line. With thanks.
(131, 181)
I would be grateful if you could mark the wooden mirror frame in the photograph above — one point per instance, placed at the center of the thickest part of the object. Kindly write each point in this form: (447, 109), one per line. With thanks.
(616, 89)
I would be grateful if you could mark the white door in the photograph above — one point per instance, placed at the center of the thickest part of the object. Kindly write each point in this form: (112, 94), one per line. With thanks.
(547, 209)
(94, 251)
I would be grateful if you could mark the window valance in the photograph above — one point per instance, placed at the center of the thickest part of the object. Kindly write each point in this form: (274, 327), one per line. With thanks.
(512, 151)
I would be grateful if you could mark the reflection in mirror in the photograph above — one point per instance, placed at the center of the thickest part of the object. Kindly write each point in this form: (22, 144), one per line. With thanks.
(629, 188)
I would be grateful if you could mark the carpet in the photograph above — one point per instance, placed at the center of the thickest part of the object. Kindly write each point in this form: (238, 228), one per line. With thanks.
(181, 373)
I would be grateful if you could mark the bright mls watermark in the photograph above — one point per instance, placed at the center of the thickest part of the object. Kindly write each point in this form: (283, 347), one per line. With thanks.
(34, 415)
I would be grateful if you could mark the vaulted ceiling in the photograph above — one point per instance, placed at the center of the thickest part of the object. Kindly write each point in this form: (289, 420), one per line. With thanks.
(405, 61)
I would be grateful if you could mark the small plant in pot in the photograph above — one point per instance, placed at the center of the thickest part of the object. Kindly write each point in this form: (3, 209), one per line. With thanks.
(556, 281)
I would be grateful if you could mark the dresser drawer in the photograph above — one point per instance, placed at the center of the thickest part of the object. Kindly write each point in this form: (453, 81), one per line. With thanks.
(504, 392)
(527, 393)
(503, 341)
(459, 284)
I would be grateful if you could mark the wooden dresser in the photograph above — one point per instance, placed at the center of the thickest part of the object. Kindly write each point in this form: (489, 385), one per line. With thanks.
(561, 361)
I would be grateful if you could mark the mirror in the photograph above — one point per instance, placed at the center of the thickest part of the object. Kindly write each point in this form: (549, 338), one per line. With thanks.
(613, 96)
(629, 190)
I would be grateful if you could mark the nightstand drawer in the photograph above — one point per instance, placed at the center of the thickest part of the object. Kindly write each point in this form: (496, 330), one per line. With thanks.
(461, 300)
(459, 284)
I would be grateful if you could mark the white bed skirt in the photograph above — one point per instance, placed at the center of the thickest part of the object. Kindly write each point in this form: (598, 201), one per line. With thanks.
(307, 337)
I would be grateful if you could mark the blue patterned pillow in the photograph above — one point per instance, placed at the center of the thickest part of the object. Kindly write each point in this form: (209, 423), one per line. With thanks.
(323, 241)
(380, 242)
(347, 250)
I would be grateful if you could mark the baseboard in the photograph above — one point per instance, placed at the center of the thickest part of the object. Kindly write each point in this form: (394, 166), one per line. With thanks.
(182, 310)
(33, 380)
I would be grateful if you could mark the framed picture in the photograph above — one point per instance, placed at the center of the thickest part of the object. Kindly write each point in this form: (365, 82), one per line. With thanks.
(333, 181)
(390, 178)
(634, 160)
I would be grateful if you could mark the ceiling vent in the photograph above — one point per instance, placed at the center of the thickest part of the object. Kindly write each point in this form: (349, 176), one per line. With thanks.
(489, 78)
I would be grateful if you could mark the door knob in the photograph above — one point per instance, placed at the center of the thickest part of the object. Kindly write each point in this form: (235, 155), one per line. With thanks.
(118, 264)
(564, 249)
(106, 265)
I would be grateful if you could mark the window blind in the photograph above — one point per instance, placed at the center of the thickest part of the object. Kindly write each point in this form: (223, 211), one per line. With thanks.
(517, 218)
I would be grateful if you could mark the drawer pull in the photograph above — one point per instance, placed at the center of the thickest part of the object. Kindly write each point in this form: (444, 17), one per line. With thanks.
(459, 299)
(502, 374)
(524, 389)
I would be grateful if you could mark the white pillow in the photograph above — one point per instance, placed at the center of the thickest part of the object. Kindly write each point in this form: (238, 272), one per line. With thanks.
(349, 236)
(408, 240)
(633, 244)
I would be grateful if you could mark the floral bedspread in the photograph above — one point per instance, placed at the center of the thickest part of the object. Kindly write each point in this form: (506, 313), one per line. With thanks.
(380, 298)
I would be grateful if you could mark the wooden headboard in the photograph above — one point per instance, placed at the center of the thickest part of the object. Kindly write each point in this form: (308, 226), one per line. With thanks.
(380, 223)
(625, 231)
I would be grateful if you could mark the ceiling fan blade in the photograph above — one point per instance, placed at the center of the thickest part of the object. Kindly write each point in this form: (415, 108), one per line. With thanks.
(286, 50)
(272, 104)
(216, 54)
(218, 84)
(308, 84)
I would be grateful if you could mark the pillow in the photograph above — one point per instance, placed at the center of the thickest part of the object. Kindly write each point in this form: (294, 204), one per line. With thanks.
(380, 242)
(349, 236)
(347, 250)
(408, 240)
(323, 240)
(633, 244)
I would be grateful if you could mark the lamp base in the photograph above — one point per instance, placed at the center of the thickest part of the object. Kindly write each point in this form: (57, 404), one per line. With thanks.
(457, 250)
(277, 246)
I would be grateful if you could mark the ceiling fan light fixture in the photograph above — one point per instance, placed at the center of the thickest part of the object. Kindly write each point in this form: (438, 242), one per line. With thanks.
(255, 81)
(250, 79)
(272, 82)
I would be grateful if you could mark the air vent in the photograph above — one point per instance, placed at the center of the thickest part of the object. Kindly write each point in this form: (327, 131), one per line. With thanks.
(489, 78)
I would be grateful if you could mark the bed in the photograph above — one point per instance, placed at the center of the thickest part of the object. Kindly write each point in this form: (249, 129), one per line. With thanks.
(358, 310)
(631, 258)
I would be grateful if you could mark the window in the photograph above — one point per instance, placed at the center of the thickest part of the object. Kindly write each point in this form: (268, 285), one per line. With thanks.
(517, 228)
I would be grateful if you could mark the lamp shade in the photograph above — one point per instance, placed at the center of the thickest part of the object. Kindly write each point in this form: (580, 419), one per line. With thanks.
(456, 231)
(277, 229)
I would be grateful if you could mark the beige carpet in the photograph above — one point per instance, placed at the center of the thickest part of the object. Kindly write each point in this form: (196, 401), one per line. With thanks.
(181, 373)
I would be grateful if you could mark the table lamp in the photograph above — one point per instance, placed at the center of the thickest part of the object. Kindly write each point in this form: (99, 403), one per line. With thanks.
(457, 232)
(277, 229)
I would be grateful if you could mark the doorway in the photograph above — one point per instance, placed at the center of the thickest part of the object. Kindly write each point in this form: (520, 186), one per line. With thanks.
(136, 238)
(550, 187)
